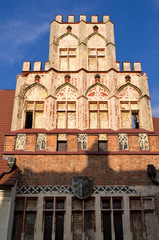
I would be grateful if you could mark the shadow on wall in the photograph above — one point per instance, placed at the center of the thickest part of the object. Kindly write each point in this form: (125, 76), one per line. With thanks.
(105, 169)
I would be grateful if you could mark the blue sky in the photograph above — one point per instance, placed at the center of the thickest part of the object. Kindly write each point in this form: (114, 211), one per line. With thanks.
(24, 34)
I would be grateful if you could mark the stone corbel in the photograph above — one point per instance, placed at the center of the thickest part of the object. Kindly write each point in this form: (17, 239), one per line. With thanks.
(151, 171)
(11, 164)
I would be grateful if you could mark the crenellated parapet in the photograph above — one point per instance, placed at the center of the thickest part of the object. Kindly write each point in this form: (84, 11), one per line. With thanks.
(36, 67)
(70, 18)
(126, 66)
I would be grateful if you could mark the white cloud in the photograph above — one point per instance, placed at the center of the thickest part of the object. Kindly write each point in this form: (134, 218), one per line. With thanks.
(16, 34)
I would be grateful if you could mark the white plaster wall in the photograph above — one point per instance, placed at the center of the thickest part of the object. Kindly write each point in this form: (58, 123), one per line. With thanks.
(7, 198)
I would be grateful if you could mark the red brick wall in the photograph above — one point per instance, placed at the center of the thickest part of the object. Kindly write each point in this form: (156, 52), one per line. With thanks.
(92, 143)
(51, 142)
(30, 142)
(105, 169)
(9, 143)
(113, 143)
(133, 143)
(71, 143)
(154, 143)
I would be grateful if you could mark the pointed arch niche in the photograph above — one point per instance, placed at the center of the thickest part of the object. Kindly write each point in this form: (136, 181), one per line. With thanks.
(68, 52)
(34, 104)
(66, 106)
(96, 44)
(97, 96)
(129, 96)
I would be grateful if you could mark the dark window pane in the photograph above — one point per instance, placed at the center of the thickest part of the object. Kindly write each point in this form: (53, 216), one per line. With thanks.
(77, 226)
(17, 226)
(60, 204)
(117, 204)
(19, 204)
(29, 226)
(48, 226)
(106, 204)
(135, 120)
(61, 146)
(102, 146)
(118, 227)
(49, 204)
(107, 226)
(28, 120)
(59, 226)
(89, 225)
(31, 204)
(136, 225)
(89, 204)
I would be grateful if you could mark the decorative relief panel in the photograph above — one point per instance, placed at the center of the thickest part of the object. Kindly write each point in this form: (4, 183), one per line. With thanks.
(97, 93)
(20, 141)
(103, 137)
(129, 93)
(67, 93)
(68, 189)
(123, 141)
(62, 137)
(143, 141)
(82, 141)
(41, 141)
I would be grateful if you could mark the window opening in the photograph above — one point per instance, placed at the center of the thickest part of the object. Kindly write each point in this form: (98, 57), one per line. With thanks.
(62, 142)
(129, 114)
(98, 115)
(68, 59)
(24, 218)
(83, 218)
(135, 120)
(96, 59)
(54, 210)
(66, 115)
(103, 142)
(29, 120)
(34, 113)
(142, 218)
(112, 208)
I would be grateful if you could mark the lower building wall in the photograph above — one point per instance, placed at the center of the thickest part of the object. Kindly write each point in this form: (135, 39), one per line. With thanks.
(111, 212)
(7, 200)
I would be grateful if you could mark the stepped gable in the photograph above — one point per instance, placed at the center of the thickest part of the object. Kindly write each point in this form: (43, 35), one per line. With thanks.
(6, 108)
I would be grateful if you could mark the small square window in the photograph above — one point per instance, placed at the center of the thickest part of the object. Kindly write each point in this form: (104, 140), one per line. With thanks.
(61, 146)
(102, 146)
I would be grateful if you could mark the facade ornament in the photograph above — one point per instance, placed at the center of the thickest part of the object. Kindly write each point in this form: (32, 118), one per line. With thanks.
(151, 172)
(97, 78)
(127, 78)
(123, 141)
(69, 28)
(82, 141)
(143, 141)
(82, 187)
(11, 164)
(41, 141)
(95, 28)
(20, 141)
(37, 78)
(67, 78)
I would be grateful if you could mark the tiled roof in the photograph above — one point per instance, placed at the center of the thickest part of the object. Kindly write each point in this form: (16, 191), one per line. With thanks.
(6, 108)
(156, 124)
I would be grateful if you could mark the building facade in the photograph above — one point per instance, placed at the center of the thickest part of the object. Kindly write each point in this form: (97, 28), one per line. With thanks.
(83, 137)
